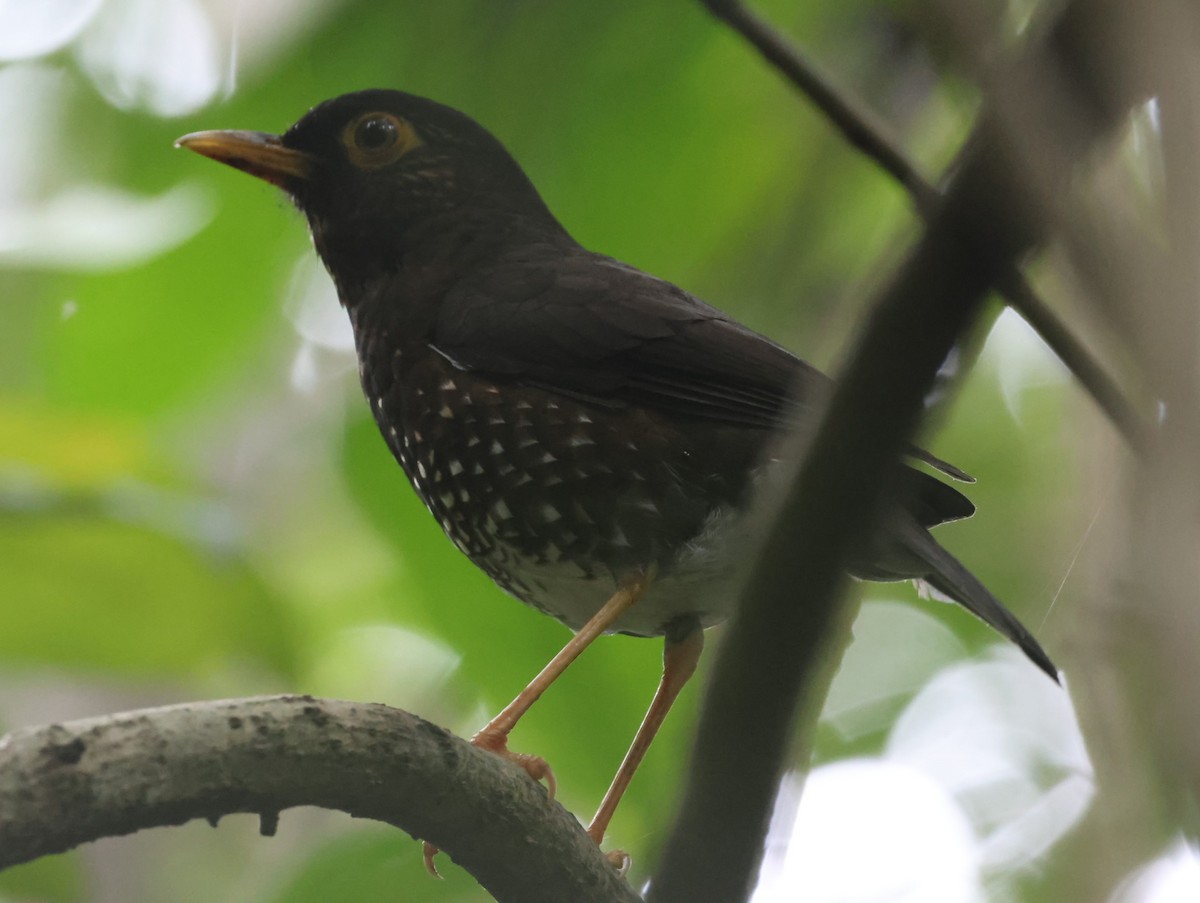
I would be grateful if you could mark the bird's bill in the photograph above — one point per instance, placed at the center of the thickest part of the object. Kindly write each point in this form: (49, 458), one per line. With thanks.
(257, 153)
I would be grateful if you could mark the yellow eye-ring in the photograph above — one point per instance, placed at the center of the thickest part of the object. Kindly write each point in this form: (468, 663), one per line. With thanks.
(377, 139)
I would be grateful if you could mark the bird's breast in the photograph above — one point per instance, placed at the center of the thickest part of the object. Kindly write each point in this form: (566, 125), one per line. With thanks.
(555, 498)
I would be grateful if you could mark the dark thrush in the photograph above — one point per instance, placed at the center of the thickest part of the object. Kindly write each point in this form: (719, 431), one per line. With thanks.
(589, 435)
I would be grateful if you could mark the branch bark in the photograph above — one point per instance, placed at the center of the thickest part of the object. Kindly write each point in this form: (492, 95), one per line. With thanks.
(776, 649)
(65, 784)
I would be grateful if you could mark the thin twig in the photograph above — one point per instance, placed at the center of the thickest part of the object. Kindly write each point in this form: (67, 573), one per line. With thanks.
(864, 131)
(858, 125)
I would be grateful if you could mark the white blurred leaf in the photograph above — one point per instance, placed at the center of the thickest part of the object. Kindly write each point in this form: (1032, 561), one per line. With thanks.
(1004, 741)
(31, 97)
(867, 831)
(1174, 877)
(99, 228)
(30, 28)
(1021, 359)
(896, 649)
(312, 307)
(160, 55)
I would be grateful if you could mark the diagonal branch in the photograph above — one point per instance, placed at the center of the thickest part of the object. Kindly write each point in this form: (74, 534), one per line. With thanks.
(776, 650)
(864, 131)
(854, 120)
(66, 784)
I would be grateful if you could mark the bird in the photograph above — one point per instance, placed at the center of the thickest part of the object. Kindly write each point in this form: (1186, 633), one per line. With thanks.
(590, 436)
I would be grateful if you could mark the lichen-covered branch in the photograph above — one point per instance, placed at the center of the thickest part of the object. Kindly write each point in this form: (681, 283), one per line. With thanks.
(66, 784)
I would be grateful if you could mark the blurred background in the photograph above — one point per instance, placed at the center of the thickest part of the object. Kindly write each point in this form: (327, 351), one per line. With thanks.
(195, 504)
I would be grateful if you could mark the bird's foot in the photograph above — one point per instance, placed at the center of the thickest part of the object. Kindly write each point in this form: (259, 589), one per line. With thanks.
(534, 766)
(428, 854)
(618, 859)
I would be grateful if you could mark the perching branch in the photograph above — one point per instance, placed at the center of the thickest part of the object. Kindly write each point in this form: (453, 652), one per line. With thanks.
(776, 650)
(66, 784)
(863, 130)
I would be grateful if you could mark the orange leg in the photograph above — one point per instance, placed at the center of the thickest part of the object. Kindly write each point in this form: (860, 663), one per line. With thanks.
(681, 652)
(494, 735)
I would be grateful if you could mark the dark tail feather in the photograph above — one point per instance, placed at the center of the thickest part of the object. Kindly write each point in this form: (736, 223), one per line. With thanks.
(950, 578)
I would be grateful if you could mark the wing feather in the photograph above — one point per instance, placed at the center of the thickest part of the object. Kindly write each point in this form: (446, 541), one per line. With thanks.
(593, 328)
(617, 336)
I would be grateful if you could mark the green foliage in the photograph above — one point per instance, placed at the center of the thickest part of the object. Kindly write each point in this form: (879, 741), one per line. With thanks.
(371, 864)
(175, 512)
(54, 879)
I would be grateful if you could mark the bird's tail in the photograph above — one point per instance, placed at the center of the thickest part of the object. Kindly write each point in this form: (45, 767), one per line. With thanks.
(950, 578)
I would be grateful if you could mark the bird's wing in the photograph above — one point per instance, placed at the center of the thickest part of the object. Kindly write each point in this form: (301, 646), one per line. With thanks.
(594, 328)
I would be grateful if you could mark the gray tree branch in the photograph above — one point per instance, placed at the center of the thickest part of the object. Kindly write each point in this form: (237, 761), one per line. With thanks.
(863, 131)
(776, 652)
(65, 784)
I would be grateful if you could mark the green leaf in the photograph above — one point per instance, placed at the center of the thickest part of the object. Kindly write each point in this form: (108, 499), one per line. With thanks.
(90, 592)
(375, 864)
(51, 879)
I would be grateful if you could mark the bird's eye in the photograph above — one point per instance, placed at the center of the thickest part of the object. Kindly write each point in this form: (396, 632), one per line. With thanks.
(377, 139)
(375, 133)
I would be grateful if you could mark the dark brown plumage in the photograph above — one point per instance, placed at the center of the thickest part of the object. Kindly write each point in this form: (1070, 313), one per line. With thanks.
(581, 430)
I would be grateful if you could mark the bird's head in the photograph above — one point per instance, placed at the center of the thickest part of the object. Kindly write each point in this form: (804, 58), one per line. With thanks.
(388, 179)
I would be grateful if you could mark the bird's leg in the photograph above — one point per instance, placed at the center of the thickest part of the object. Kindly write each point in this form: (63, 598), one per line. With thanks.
(681, 651)
(493, 736)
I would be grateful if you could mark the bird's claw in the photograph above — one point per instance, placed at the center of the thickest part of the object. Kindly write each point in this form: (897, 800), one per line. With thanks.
(537, 768)
(619, 860)
(428, 852)
(534, 766)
